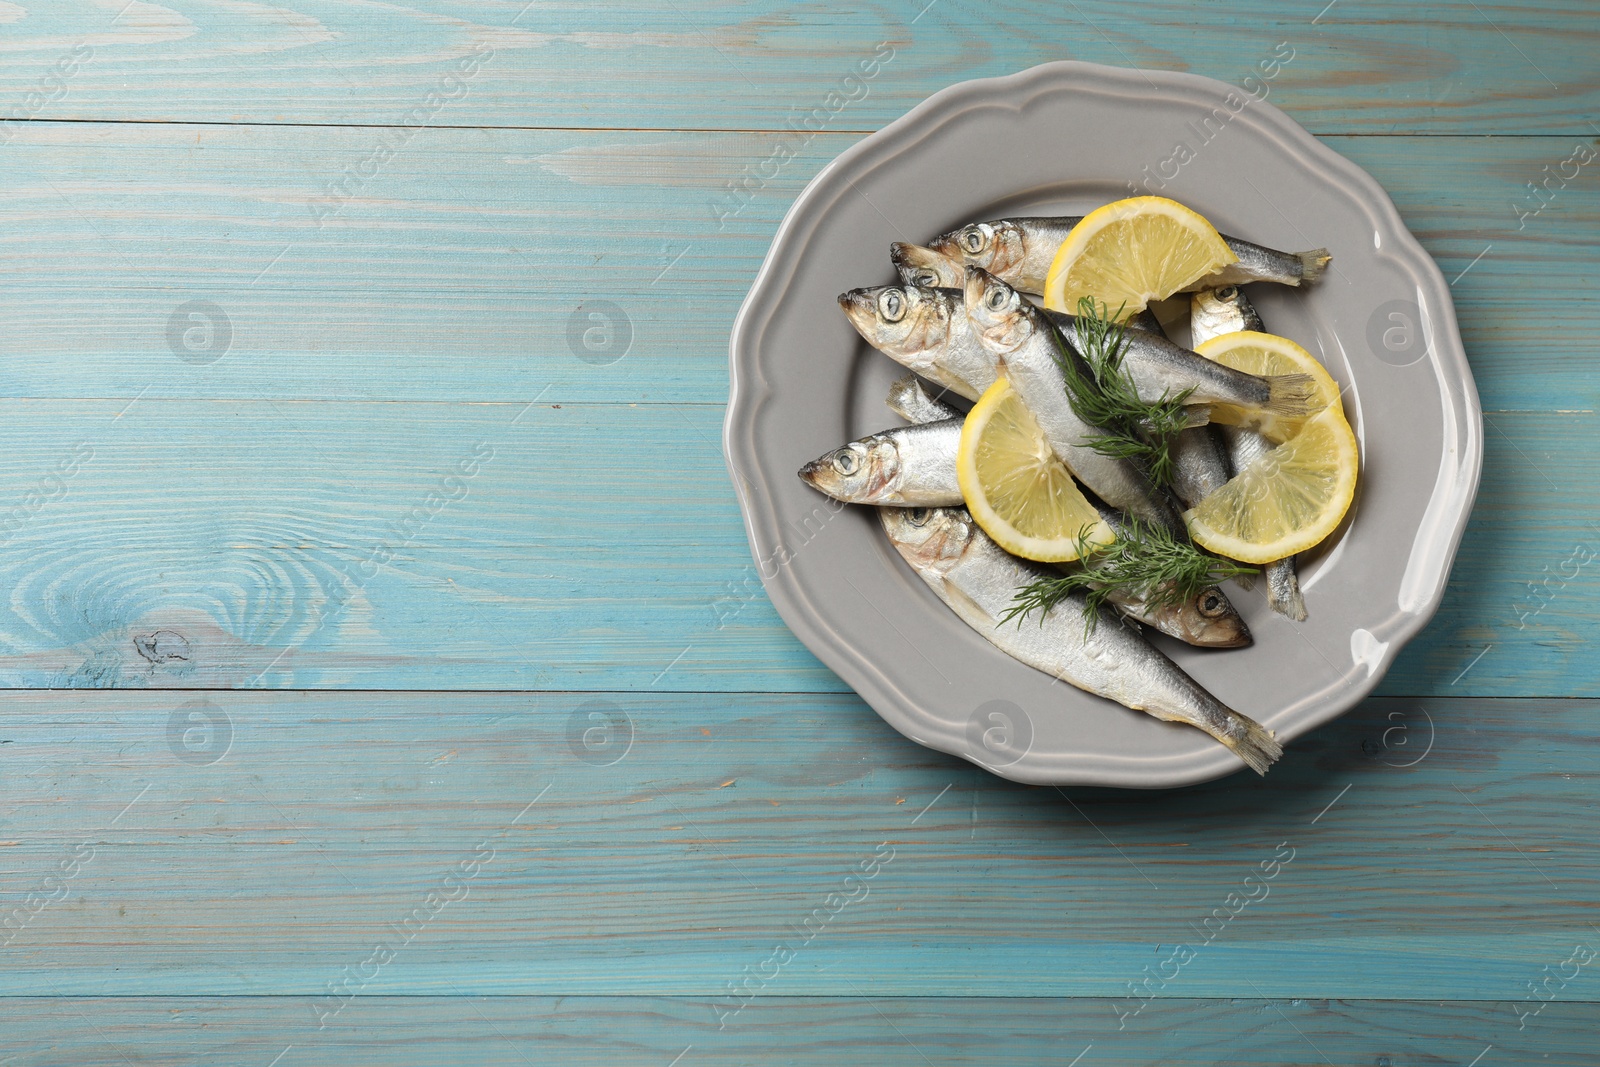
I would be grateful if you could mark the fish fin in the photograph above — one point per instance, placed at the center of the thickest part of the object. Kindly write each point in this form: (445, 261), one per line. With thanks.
(1313, 263)
(1258, 748)
(1246, 581)
(1290, 394)
(902, 395)
(1196, 415)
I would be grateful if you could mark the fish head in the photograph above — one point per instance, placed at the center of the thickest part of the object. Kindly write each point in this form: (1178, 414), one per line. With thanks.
(997, 247)
(900, 320)
(1218, 311)
(857, 473)
(1002, 317)
(973, 243)
(924, 267)
(1209, 620)
(930, 539)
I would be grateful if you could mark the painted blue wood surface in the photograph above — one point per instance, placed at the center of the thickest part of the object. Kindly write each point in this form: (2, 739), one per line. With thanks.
(786, 1032)
(1359, 66)
(212, 503)
(251, 843)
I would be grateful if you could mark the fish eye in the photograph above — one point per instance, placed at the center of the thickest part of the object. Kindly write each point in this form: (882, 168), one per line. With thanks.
(1227, 292)
(1211, 605)
(997, 299)
(845, 461)
(973, 240)
(918, 516)
(892, 305)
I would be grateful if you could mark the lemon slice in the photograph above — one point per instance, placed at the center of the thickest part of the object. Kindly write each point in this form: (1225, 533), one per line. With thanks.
(1016, 487)
(1131, 252)
(1286, 501)
(1266, 353)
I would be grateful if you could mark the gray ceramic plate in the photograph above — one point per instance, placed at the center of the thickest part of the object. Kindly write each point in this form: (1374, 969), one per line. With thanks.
(1064, 138)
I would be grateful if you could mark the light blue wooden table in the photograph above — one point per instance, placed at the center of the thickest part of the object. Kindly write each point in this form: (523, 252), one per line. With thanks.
(392, 681)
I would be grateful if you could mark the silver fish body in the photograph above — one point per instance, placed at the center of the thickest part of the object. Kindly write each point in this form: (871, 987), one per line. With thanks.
(1027, 347)
(979, 581)
(909, 466)
(910, 399)
(1211, 314)
(1020, 251)
(1199, 465)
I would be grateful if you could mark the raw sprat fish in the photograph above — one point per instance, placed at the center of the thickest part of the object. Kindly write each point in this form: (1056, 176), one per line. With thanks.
(909, 466)
(977, 580)
(1021, 250)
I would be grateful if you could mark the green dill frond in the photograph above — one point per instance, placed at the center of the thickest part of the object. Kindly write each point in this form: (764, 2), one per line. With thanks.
(1103, 394)
(1145, 562)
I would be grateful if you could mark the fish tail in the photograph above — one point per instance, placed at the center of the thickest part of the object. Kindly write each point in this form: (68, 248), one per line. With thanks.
(1289, 602)
(1283, 590)
(1290, 395)
(1257, 747)
(1313, 263)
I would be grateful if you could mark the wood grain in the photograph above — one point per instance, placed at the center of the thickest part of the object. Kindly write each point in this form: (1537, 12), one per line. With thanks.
(1452, 67)
(265, 843)
(789, 1032)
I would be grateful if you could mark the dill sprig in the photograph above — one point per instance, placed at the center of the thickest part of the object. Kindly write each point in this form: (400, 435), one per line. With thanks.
(1103, 394)
(1145, 562)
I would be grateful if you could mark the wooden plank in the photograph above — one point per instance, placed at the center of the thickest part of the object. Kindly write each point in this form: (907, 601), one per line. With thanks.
(458, 270)
(266, 843)
(759, 64)
(1519, 617)
(593, 547)
(792, 1032)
